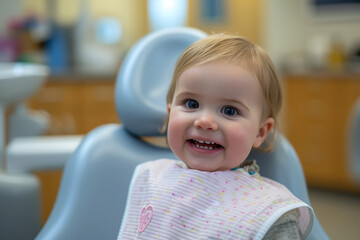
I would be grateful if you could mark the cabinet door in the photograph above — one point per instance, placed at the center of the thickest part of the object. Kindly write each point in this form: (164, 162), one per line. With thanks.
(316, 119)
(77, 107)
(59, 100)
(50, 182)
(98, 105)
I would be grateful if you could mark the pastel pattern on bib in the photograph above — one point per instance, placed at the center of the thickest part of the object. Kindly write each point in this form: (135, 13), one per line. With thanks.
(145, 217)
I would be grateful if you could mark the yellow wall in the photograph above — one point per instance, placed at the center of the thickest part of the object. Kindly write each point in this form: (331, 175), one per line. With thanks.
(132, 14)
(243, 16)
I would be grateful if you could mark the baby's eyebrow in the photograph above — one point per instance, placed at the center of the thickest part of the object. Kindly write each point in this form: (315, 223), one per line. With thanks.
(236, 101)
(186, 94)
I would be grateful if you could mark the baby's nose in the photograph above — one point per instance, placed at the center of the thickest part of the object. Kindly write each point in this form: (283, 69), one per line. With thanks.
(206, 122)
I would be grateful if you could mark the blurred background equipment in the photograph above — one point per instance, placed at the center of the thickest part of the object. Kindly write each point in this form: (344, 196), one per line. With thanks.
(26, 122)
(96, 41)
(17, 83)
(167, 13)
(19, 193)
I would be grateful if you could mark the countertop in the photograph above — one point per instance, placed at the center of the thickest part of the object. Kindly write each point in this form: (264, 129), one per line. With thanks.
(81, 76)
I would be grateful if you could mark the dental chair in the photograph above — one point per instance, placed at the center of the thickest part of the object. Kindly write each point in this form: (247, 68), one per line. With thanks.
(95, 182)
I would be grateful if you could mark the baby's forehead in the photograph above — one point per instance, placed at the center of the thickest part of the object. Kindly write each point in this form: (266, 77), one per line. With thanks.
(239, 61)
(250, 68)
(217, 74)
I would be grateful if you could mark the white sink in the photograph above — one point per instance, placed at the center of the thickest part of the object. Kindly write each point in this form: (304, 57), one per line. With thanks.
(19, 81)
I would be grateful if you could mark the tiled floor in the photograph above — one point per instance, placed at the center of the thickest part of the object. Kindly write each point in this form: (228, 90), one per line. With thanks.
(338, 213)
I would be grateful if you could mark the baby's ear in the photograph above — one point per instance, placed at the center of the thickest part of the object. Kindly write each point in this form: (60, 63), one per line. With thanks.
(264, 130)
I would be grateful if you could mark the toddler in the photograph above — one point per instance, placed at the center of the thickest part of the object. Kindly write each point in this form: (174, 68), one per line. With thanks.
(223, 101)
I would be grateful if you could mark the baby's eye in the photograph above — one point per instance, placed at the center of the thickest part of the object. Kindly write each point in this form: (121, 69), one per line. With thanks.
(192, 104)
(229, 111)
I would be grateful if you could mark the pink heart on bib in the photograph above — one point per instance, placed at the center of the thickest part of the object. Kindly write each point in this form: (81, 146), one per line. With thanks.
(145, 217)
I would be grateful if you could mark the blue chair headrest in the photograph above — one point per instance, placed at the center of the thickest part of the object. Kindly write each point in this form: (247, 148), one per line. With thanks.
(145, 76)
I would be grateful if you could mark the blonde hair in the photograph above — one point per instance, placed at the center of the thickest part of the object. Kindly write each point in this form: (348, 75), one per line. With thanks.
(234, 50)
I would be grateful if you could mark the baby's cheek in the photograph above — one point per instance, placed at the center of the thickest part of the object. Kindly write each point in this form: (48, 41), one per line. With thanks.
(174, 132)
(240, 145)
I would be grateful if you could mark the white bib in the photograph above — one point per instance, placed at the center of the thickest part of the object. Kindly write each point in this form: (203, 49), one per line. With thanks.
(167, 201)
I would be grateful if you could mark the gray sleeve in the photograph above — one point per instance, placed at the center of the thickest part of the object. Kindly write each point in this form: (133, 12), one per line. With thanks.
(285, 228)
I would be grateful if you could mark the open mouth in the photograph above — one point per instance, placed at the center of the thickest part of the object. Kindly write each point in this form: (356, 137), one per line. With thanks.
(204, 144)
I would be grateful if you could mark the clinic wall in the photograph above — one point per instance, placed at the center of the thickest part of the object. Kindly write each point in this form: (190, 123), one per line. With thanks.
(241, 17)
(290, 28)
(131, 14)
(283, 28)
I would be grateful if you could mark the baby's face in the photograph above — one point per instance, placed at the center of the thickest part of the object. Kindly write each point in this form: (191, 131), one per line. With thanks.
(215, 117)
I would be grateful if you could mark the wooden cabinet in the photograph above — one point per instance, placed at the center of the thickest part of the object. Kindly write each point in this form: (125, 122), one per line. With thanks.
(316, 121)
(75, 106)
